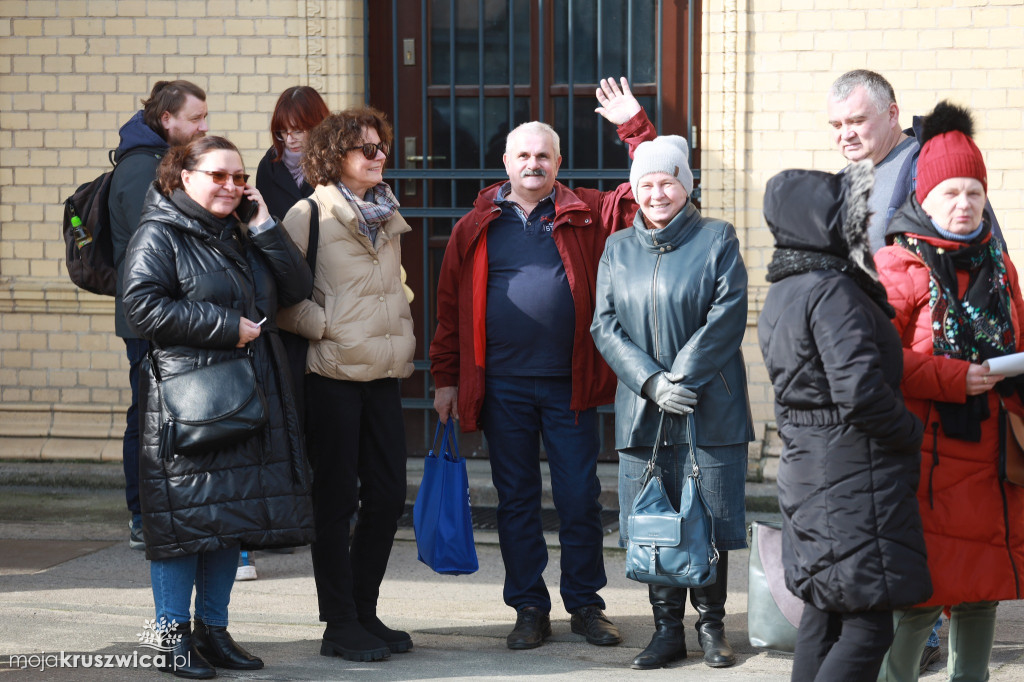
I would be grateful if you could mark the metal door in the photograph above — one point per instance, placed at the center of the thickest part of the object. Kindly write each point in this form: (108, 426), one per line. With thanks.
(454, 76)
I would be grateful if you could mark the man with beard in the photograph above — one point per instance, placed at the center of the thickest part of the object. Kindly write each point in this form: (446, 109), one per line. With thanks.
(174, 114)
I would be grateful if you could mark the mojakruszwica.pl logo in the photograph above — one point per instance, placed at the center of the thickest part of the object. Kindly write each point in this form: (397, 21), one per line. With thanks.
(156, 645)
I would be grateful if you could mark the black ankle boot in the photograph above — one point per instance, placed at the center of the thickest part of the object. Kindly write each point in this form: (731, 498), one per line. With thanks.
(182, 658)
(218, 647)
(398, 641)
(710, 604)
(669, 641)
(351, 641)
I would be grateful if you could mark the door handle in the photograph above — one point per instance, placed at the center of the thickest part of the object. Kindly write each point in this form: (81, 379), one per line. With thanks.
(412, 157)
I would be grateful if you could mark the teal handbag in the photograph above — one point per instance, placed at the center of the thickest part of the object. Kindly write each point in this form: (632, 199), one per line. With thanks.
(666, 547)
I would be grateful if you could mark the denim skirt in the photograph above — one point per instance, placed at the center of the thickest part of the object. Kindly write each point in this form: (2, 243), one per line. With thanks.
(723, 476)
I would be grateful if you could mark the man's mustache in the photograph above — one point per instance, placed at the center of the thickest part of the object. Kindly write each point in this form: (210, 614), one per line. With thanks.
(528, 173)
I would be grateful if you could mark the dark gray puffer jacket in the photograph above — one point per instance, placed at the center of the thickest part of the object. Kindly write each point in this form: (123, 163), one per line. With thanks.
(185, 292)
(852, 536)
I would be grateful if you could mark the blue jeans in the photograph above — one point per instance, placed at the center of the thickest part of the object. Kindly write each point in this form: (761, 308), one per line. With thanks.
(517, 413)
(211, 573)
(136, 350)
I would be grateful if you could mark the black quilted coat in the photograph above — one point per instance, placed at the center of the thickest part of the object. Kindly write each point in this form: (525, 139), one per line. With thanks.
(186, 287)
(852, 537)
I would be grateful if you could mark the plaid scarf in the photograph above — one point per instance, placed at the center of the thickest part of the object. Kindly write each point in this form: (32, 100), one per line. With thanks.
(375, 212)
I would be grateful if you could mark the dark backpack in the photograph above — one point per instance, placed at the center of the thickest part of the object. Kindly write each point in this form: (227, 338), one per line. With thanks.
(88, 249)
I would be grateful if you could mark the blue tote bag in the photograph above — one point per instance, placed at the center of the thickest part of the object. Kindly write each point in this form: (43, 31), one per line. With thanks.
(441, 516)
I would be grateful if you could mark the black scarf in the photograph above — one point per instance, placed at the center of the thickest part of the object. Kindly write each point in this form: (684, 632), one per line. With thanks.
(787, 262)
(223, 230)
(973, 327)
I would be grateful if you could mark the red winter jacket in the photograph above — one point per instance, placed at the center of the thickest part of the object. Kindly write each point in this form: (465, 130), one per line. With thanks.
(964, 509)
(583, 220)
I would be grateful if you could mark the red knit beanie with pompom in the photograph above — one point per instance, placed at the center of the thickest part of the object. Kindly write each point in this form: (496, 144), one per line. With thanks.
(948, 151)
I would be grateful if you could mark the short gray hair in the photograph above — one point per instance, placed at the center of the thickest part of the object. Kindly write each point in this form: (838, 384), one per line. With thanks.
(537, 128)
(878, 89)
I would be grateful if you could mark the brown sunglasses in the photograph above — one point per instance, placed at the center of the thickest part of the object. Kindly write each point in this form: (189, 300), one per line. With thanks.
(369, 149)
(221, 177)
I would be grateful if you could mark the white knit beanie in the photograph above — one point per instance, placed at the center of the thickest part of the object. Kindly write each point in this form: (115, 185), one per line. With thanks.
(664, 154)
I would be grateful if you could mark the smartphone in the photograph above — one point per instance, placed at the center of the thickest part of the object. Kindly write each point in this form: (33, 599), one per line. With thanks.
(247, 208)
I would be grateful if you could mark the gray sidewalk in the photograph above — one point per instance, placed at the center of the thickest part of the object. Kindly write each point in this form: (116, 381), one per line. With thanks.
(69, 583)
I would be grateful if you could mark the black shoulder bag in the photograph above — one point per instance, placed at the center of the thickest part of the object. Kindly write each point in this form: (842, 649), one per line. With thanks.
(209, 407)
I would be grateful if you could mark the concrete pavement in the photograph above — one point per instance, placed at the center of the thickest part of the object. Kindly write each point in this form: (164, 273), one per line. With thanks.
(95, 598)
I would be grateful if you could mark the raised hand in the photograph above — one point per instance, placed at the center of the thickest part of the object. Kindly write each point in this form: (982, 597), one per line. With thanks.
(618, 104)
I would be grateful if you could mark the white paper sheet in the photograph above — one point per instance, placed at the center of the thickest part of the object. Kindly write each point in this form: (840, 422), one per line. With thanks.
(1007, 365)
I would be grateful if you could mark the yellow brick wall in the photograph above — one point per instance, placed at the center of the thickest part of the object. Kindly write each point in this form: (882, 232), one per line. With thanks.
(767, 66)
(71, 72)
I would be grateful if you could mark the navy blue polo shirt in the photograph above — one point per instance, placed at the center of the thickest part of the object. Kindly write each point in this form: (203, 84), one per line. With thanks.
(531, 318)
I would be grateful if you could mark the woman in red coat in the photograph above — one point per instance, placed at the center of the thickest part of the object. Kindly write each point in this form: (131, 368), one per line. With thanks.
(958, 303)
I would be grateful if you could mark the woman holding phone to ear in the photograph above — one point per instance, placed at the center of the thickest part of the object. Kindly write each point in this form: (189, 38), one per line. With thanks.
(361, 344)
(196, 283)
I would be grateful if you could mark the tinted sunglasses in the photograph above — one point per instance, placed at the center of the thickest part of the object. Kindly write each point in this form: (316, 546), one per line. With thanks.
(369, 149)
(221, 177)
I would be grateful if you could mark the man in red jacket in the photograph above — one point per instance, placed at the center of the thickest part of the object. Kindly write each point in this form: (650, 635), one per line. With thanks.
(513, 355)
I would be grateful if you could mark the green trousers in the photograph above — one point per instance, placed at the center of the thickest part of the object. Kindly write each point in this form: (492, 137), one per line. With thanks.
(972, 631)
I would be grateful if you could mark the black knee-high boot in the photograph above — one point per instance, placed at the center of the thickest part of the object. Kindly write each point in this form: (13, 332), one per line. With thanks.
(669, 641)
(710, 604)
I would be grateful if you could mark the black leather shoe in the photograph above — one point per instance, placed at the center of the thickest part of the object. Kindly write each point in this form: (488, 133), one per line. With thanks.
(591, 622)
(398, 641)
(221, 650)
(351, 641)
(718, 652)
(667, 645)
(710, 605)
(669, 641)
(182, 658)
(533, 626)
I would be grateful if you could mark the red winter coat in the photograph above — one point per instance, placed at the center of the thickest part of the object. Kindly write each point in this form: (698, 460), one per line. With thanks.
(583, 220)
(964, 508)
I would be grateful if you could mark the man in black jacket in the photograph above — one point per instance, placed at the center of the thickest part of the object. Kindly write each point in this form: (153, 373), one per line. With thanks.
(174, 114)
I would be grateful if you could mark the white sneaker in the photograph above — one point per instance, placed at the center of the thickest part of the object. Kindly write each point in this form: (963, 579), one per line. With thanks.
(246, 567)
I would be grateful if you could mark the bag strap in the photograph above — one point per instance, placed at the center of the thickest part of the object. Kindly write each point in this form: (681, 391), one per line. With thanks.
(313, 245)
(450, 446)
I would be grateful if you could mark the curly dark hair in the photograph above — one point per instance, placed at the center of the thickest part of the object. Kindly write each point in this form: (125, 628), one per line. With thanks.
(322, 160)
(187, 157)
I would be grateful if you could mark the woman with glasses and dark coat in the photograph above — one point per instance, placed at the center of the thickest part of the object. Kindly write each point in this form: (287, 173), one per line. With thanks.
(361, 344)
(279, 177)
(197, 284)
(670, 316)
(852, 546)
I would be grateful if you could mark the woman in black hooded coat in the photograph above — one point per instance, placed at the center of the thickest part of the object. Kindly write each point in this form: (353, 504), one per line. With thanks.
(852, 544)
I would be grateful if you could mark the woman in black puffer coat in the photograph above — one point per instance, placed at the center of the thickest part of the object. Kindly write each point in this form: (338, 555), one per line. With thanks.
(196, 283)
(852, 543)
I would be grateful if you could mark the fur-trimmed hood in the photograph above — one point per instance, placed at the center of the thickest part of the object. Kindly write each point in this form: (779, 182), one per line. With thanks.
(823, 212)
